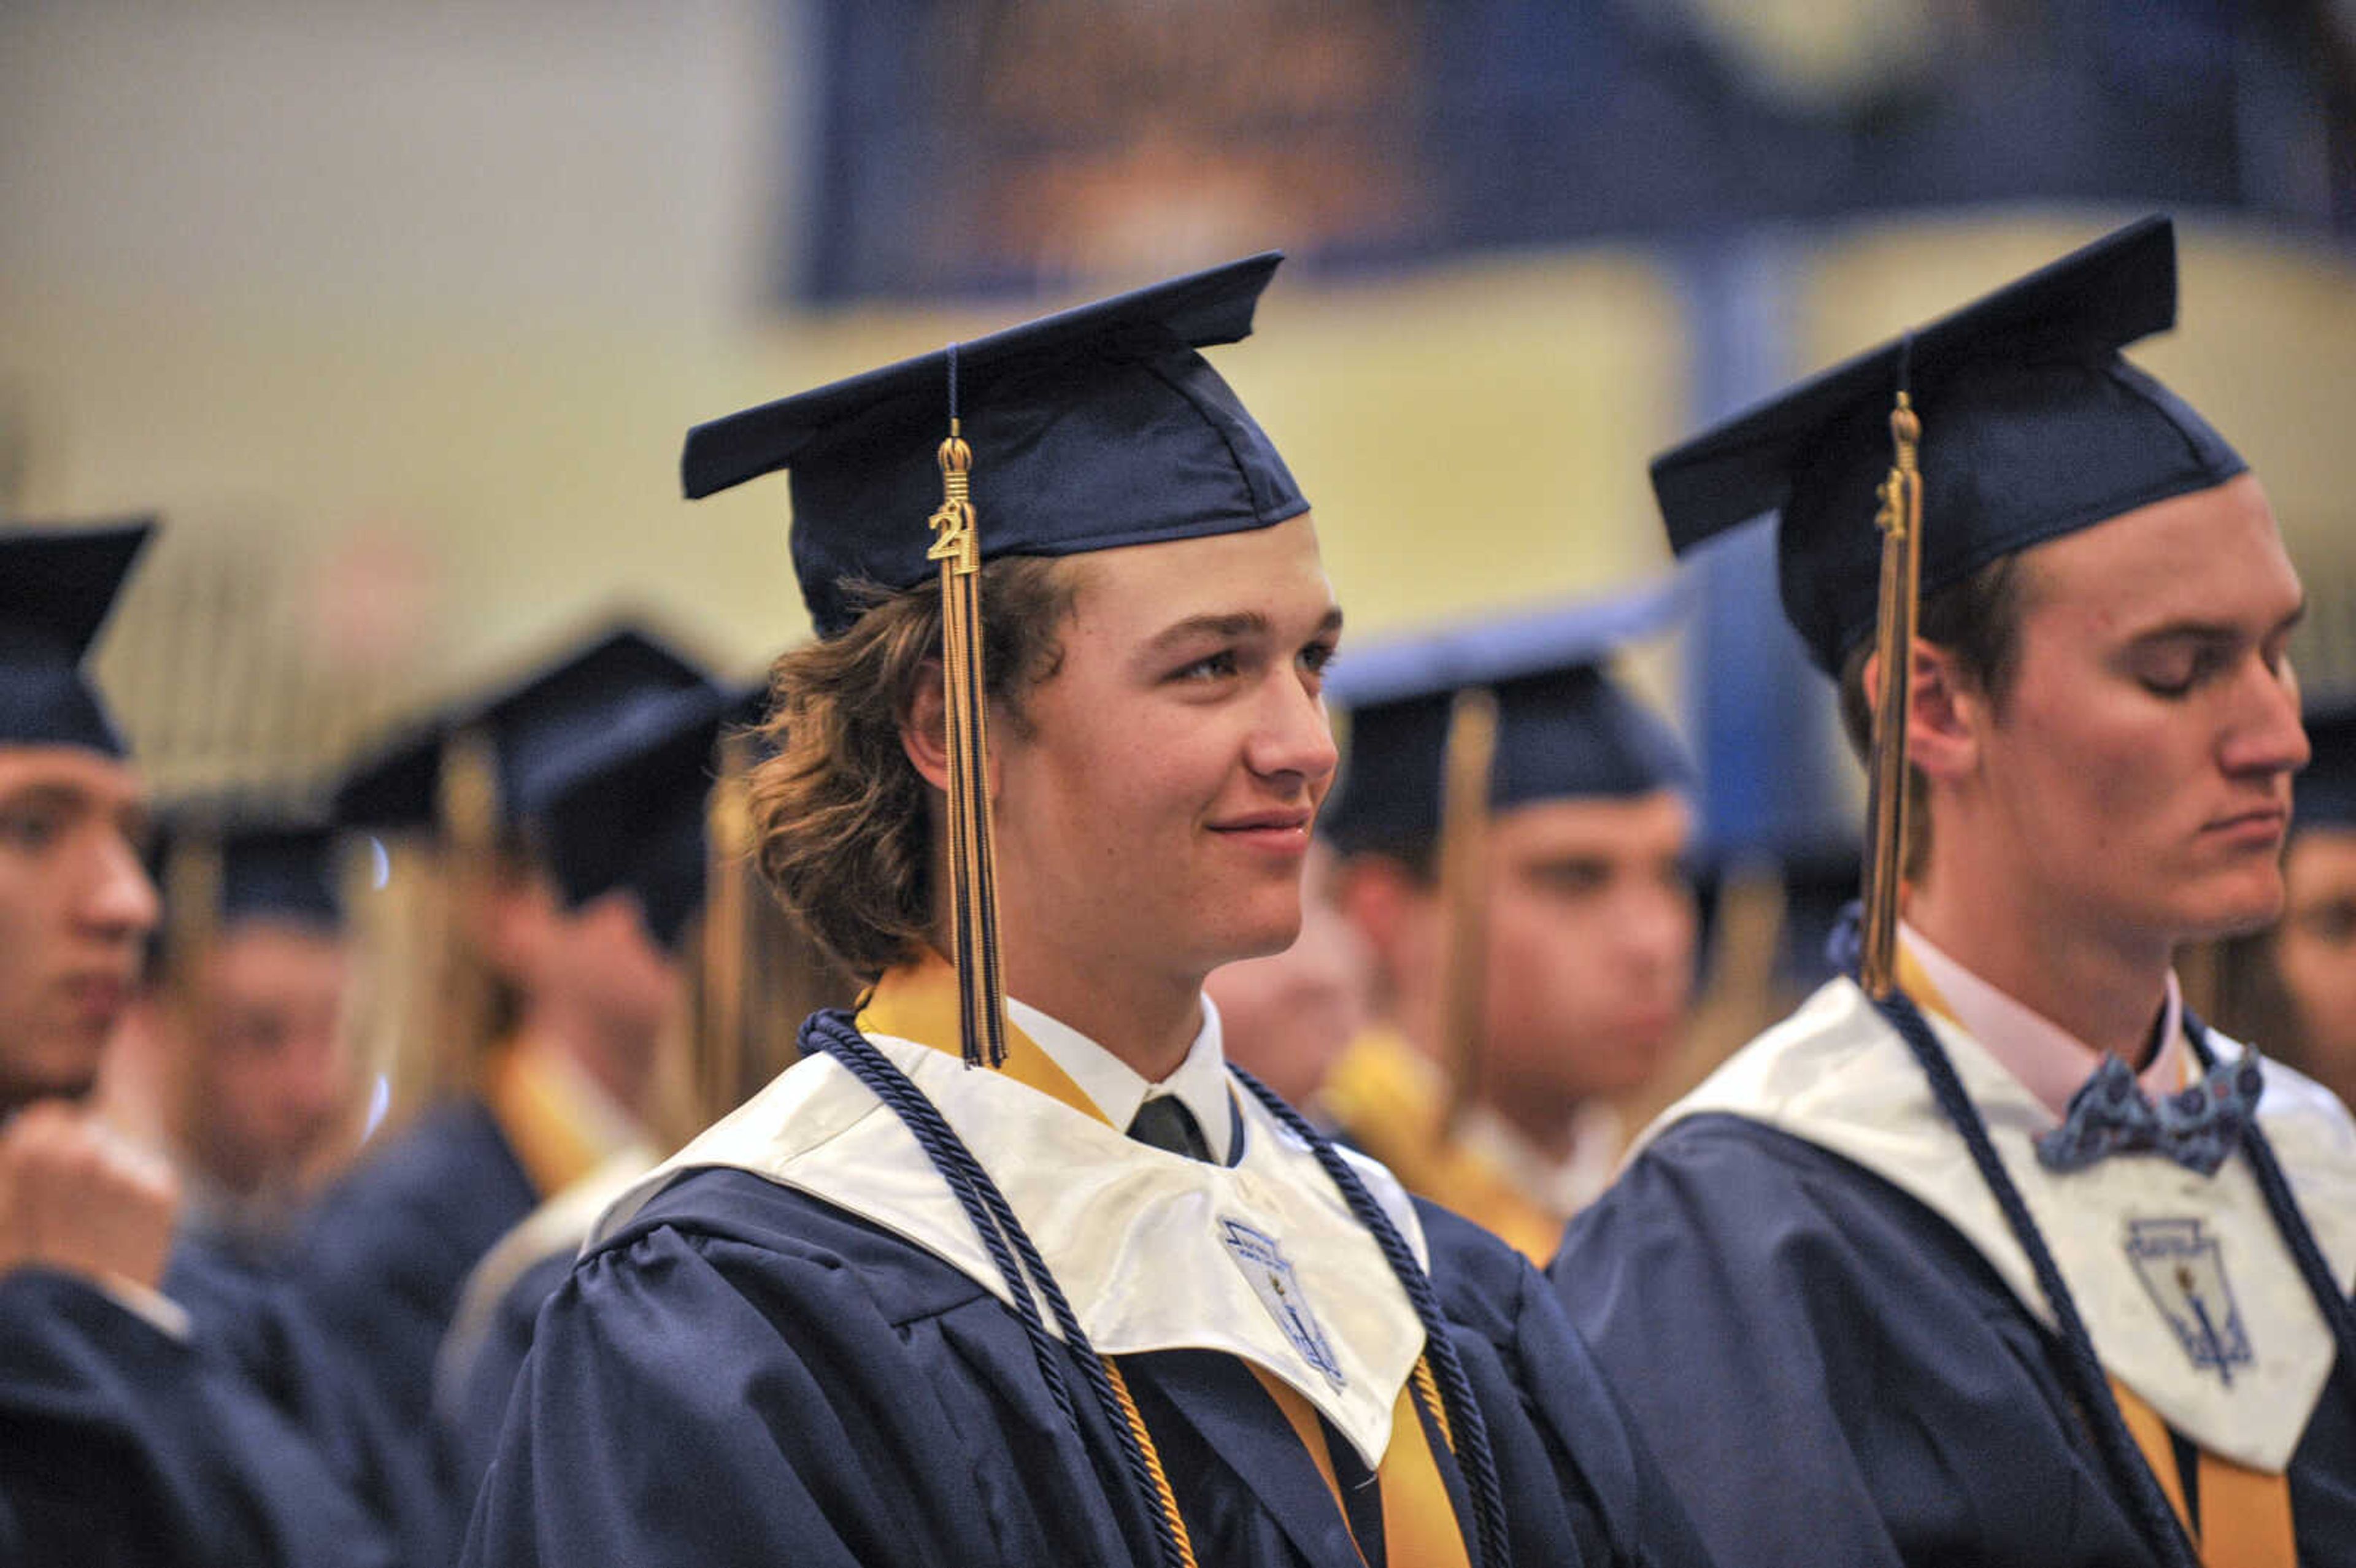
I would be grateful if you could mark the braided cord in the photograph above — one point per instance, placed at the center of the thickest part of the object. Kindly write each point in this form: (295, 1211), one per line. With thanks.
(2339, 1315)
(1019, 1263)
(2146, 1504)
(1471, 1441)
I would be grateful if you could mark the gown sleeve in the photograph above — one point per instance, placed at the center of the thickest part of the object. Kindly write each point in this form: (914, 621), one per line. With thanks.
(120, 1442)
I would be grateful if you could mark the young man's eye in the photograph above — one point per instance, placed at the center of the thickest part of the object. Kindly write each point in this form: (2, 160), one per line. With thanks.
(28, 830)
(1317, 658)
(2175, 677)
(1211, 666)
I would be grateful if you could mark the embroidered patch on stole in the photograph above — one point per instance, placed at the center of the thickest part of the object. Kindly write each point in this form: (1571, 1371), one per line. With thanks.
(1272, 1279)
(2184, 1270)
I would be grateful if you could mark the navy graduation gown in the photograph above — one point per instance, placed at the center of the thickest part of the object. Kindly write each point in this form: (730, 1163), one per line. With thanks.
(747, 1374)
(478, 1405)
(122, 1445)
(383, 1262)
(1829, 1372)
(246, 1311)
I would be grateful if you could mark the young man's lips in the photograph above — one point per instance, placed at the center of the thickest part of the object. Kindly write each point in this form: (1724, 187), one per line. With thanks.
(99, 994)
(2266, 822)
(1286, 831)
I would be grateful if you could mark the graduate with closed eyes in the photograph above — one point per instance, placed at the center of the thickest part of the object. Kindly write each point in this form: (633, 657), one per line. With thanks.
(1012, 1268)
(1993, 1254)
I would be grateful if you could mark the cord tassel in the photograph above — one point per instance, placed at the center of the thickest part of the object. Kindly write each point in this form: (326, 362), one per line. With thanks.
(973, 879)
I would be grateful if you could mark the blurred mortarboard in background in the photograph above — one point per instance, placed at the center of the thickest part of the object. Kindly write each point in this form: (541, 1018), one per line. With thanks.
(626, 808)
(2033, 427)
(1092, 429)
(56, 587)
(564, 702)
(281, 865)
(1565, 728)
(2324, 795)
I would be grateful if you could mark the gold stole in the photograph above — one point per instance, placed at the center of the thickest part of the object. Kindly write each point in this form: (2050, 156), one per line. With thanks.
(541, 1118)
(1393, 1103)
(2245, 1514)
(919, 1002)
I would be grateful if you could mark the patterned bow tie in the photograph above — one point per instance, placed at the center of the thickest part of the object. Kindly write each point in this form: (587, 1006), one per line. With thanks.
(2199, 1129)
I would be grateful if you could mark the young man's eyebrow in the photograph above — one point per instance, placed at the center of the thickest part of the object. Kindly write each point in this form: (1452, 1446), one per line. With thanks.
(1230, 626)
(2215, 631)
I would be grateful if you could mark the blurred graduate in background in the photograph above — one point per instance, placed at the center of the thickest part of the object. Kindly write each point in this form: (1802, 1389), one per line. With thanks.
(127, 1433)
(1512, 830)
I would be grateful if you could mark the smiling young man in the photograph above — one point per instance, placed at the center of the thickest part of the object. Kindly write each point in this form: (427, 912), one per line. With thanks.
(1092, 1299)
(121, 1439)
(2013, 1262)
(1562, 977)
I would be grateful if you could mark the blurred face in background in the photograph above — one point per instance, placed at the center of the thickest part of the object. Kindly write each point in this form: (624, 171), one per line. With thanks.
(2315, 952)
(1591, 926)
(74, 906)
(262, 1028)
(1285, 1019)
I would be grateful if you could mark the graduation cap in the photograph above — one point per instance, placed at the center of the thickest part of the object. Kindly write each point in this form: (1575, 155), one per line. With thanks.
(221, 864)
(514, 733)
(2324, 795)
(56, 587)
(627, 807)
(1449, 728)
(2033, 427)
(1094, 429)
(1899, 473)
(1564, 727)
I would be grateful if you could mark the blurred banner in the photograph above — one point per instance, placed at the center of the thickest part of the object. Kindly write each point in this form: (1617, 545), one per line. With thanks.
(1019, 144)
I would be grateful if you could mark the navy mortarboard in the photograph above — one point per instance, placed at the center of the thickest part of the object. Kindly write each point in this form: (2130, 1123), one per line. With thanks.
(281, 865)
(626, 807)
(566, 700)
(56, 588)
(1564, 726)
(1089, 429)
(219, 864)
(2034, 427)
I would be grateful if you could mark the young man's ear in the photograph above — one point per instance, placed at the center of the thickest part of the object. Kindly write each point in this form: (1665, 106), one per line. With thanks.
(924, 726)
(1946, 712)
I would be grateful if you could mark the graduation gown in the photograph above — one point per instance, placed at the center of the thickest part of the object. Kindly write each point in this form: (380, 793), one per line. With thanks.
(124, 1444)
(744, 1368)
(382, 1265)
(475, 1372)
(1838, 1356)
(244, 1310)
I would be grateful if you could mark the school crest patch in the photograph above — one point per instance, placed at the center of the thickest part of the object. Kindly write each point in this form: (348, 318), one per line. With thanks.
(2184, 1270)
(1264, 1264)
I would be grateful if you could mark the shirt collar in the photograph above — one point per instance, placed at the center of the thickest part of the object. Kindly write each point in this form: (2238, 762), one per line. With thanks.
(1117, 1090)
(2047, 1059)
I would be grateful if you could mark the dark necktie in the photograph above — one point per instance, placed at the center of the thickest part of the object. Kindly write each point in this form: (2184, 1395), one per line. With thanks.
(2199, 1129)
(1165, 1123)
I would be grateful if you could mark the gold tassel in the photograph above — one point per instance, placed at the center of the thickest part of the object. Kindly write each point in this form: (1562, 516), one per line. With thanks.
(973, 879)
(1900, 521)
(1471, 757)
(192, 901)
(468, 805)
(720, 1019)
